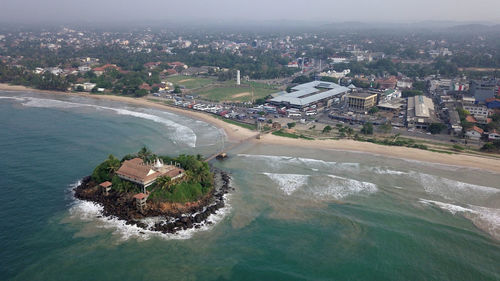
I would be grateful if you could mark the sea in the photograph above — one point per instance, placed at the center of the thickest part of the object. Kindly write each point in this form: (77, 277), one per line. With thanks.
(295, 213)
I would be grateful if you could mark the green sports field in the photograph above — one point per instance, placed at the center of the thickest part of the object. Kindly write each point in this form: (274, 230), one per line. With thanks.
(230, 92)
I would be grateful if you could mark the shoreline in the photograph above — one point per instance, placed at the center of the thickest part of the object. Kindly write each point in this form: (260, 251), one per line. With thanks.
(238, 134)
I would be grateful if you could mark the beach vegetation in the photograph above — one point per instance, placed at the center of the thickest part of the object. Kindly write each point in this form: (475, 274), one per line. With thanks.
(291, 125)
(327, 129)
(367, 128)
(237, 123)
(493, 146)
(436, 128)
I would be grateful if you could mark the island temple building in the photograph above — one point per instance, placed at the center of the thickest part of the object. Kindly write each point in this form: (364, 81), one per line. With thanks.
(145, 174)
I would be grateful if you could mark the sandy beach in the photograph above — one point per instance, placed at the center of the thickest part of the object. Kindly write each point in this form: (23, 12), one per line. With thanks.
(237, 134)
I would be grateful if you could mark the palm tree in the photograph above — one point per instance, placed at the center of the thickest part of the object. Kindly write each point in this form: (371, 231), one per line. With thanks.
(144, 153)
(164, 182)
(112, 164)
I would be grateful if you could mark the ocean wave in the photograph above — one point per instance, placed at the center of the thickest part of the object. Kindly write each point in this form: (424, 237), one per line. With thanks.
(453, 190)
(313, 164)
(288, 183)
(181, 133)
(12, 98)
(387, 171)
(93, 213)
(486, 219)
(341, 187)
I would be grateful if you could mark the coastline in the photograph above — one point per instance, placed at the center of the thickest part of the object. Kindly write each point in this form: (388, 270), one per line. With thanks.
(237, 134)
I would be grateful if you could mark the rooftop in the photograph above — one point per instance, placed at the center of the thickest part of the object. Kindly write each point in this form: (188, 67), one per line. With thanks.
(106, 184)
(363, 95)
(309, 93)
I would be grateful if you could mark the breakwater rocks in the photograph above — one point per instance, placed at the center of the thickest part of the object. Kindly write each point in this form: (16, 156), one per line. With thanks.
(167, 220)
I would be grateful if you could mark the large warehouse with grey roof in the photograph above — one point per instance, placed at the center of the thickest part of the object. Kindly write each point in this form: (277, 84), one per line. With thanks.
(308, 94)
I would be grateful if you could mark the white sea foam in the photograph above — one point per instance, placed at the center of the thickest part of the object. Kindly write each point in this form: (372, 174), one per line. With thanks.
(340, 187)
(313, 164)
(386, 171)
(288, 183)
(93, 213)
(453, 190)
(446, 206)
(12, 98)
(181, 133)
(486, 219)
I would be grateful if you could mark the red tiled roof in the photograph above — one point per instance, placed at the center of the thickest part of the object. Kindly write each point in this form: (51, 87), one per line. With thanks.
(174, 172)
(140, 196)
(135, 169)
(176, 63)
(106, 184)
(145, 86)
(106, 66)
(150, 64)
(477, 129)
(470, 119)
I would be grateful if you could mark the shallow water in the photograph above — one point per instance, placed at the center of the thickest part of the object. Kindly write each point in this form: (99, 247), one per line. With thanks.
(296, 214)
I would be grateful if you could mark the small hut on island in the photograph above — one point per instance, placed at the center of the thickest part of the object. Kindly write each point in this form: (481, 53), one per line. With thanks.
(106, 186)
(140, 201)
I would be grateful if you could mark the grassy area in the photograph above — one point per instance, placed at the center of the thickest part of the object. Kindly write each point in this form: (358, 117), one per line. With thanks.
(240, 124)
(191, 82)
(182, 193)
(282, 133)
(231, 92)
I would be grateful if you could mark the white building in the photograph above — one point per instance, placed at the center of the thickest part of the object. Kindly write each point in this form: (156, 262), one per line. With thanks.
(339, 60)
(404, 83)
(335, 74)
(87, 87)
(480, 112)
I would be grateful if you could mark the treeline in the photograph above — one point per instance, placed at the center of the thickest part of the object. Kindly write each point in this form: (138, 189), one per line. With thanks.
(386, 66)
(256, 65)
(45, 81)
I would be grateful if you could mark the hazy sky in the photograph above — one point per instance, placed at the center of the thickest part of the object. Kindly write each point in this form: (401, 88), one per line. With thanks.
(255, 10)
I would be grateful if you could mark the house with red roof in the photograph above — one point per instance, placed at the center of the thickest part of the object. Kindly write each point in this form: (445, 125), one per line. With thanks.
(177, 64)
(474, 133)
(152, 65)
(101, 69)
(145, 86)
(470, 119)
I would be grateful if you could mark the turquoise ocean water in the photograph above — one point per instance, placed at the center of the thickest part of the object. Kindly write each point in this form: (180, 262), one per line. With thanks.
(296, 214)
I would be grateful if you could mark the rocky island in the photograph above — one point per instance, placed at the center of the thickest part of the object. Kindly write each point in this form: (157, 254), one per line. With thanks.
(181, 192)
